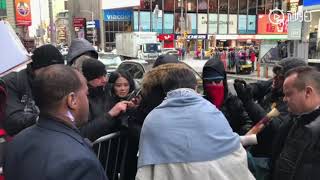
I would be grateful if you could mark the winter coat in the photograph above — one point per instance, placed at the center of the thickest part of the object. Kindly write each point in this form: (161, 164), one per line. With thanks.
(51, 150)
(296, 153)
(21, 111)
(99, 123)
(232, 107)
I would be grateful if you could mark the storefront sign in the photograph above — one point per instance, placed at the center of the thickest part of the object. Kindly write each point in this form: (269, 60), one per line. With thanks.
(266, 25)
(193, 36)
(311, 2)
(118, 15)
(166, 37)
(23, 12)
(79, 22)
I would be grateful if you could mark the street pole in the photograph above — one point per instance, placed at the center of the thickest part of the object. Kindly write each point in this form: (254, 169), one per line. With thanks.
(70, 16)
(94, 30)
(52, 28)
(102, 31)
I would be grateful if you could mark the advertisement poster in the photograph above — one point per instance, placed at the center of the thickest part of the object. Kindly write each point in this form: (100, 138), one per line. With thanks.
(213, 24)
(168, 25)
(118, 15)
(242, 28)
(272, 26)
(202, 23)
(23, 12)
(233, 22)
(144, 21)
(251, 28)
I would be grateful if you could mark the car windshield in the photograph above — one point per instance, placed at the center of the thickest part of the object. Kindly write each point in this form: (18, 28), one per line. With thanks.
(110, 59)
(152, 48)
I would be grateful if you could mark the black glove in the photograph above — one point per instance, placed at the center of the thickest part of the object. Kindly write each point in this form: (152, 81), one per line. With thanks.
(244, 91)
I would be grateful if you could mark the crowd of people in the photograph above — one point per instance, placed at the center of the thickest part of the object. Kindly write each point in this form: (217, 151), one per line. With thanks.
(51, 112)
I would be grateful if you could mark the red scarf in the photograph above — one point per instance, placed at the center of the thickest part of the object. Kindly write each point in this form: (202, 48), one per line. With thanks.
(215, 94)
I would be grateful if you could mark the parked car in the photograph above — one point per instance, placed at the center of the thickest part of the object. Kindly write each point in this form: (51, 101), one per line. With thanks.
(110, 60)
(137, 68)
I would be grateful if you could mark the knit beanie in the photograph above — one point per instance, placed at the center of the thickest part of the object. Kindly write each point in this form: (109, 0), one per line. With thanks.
(286, 64)
(46, 55)
(92, 69)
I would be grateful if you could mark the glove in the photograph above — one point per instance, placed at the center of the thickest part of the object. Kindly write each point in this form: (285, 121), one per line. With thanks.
(244, 91)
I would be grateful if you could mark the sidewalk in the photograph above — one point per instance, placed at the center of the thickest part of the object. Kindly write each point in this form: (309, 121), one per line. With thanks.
(253, 76)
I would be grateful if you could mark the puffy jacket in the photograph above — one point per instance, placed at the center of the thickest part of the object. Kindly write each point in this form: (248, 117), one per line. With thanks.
(21, 111)
(232, 107)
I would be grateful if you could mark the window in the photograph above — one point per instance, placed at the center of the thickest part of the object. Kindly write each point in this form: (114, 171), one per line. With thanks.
(191, 5)
(261, 6)
(168, 5)
(242, 6)
(252, 7)
(223, 7)
(168, 25)
(203, 6)
(269, 5)
(233, 6)
(213, 6)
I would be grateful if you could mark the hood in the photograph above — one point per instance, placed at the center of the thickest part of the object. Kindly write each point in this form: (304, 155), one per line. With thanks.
(79, 47)
(214, 64)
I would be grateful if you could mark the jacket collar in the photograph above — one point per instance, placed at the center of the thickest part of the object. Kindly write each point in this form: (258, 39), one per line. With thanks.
(54, 124)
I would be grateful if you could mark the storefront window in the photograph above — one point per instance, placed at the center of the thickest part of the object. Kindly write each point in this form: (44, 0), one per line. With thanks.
(168, 5)
(202, 23)
(168, 25)
(191, 5)
(144, 21)
(233, 6)
(157, 23)
(135, 21)
(146, 4)
(203, 6)
(213, 24)
(314, 39)
(213, 6)
(242, 6)
(242, 28)
(278, 4)
(252, 7)
(223, 24)
(233, 22)
(269, 5)
(223, 7)
(261, 6)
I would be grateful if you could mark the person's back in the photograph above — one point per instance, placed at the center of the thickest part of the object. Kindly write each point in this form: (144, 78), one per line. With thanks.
(186, 137)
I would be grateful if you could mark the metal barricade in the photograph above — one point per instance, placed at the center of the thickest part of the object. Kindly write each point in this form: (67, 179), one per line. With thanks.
(111, 150)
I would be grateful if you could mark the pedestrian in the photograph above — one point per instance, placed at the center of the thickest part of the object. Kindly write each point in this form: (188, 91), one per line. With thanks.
(53, 147)
(186, 137)
(80, 50)
(21, 111)
(102, 116)
(252, 59)
(215, 88)
(298, 156)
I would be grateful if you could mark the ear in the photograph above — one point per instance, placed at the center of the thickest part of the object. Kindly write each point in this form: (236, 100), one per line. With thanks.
(309, 90)
(72, 101)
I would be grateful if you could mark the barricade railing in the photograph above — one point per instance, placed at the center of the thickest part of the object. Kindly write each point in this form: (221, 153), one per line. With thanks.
(111, 150)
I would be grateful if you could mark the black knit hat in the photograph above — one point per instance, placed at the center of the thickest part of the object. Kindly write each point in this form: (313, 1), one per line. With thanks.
(92, 69)
(165, 59)
(286, 64)
(46, 55)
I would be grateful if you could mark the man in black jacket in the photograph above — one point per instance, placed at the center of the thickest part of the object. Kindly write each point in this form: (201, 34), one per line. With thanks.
(101, 120)
(53, 147)
(297, 155)
(273, 98)
(215, 88)
(21, 111)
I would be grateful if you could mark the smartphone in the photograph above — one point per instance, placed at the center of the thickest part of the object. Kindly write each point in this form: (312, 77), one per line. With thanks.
(134, 94)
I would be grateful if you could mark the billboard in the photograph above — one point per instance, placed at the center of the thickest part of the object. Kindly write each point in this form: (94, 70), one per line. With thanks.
(116, 4)
(23, 12)
(272, 26)
(311, 2)
(118, 15)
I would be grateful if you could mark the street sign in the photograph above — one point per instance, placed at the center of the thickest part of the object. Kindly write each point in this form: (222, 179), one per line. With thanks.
(91, 24)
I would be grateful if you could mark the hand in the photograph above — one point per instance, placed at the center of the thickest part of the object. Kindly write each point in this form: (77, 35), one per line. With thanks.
(244, 91)
(135, 101)
(119, 108)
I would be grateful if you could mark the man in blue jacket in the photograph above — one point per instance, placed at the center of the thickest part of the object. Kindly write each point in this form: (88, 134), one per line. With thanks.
(53, 147)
